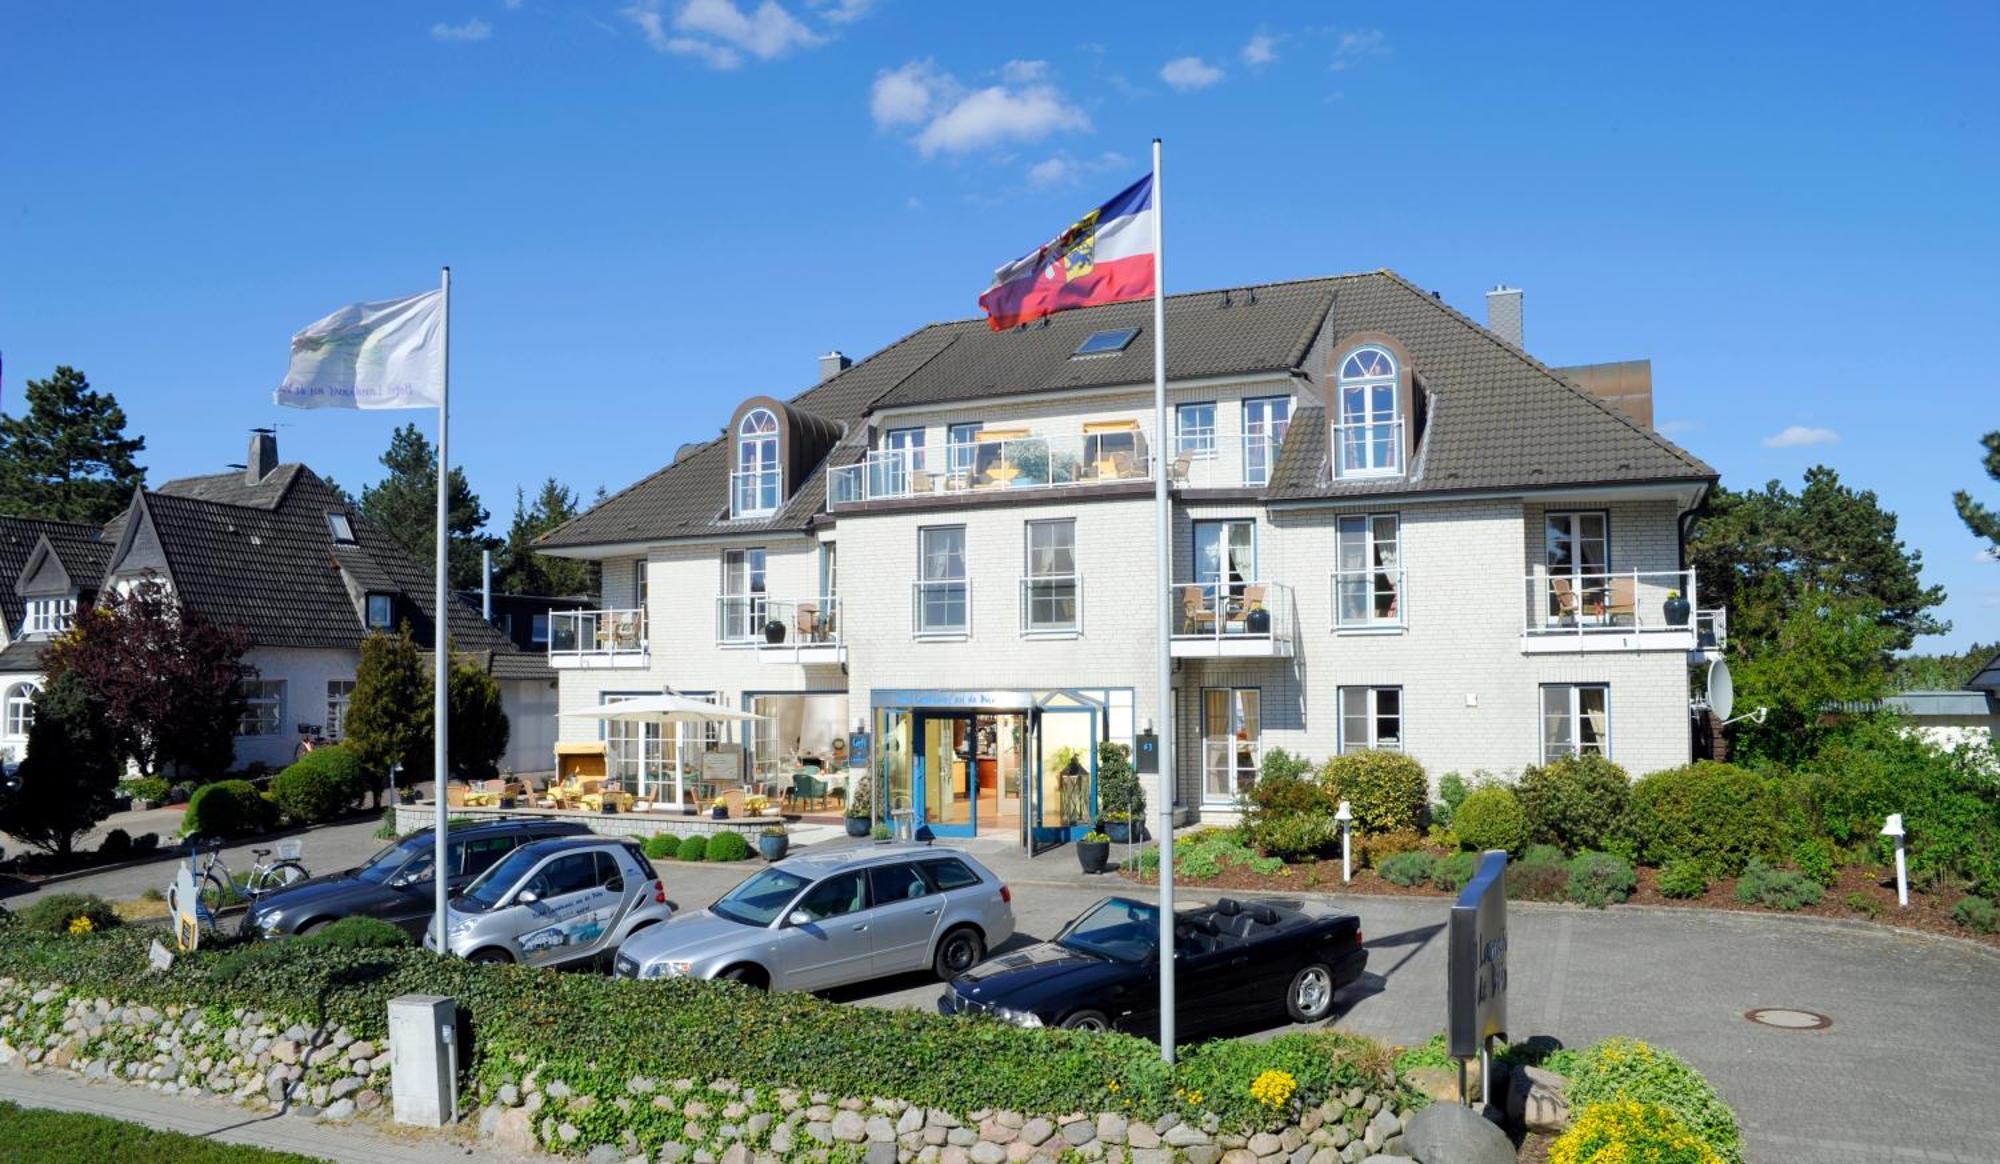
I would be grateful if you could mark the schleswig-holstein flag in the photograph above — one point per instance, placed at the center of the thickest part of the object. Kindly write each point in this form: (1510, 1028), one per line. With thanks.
(1106, 257)
(385, 354)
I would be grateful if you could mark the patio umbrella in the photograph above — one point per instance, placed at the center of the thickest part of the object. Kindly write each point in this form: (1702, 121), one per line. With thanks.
(665, 708)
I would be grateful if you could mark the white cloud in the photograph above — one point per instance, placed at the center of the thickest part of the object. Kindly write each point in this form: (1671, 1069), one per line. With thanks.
(842, 11)
(1062, 170)
(1798, 436)
(720, 32)
(1189, 73)
(1352, 46)
(1261, 50)
(1025, 107)
(471, 30)
(512, 5)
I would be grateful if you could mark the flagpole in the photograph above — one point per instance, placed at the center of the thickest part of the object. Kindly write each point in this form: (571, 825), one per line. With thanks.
(1164, 558)
(441, 667)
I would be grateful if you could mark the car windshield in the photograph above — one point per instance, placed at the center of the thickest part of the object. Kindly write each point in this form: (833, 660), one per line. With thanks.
(486, 891)
(385, 864)
(757, 901)
(1123, 931)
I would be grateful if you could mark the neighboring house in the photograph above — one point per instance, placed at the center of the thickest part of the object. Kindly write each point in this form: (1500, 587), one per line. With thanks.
(1969, 715)
(47, 570)
(1392, 529)
(526, 618)
(274, 550)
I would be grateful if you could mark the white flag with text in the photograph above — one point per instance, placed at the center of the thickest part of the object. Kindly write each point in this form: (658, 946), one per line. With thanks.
(385, 354)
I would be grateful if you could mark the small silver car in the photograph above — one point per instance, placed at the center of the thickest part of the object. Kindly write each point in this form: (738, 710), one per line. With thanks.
(555, 902)
(818, 920)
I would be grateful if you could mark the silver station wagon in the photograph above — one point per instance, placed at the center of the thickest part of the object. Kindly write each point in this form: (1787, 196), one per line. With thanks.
(818, 920)
(556, 902)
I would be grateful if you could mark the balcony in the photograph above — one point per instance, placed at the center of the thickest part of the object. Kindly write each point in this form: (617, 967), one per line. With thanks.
(811, 632)
(585, 640)
(1619, 610)
(1367, 449)
(1204, 461)
(1232, 620)
(983, 467)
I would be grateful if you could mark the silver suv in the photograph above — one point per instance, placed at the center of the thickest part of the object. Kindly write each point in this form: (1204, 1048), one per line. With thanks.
(555, 902)
(822, 919)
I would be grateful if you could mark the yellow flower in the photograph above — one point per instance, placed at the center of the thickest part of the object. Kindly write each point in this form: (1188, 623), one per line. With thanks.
(1627, 1132)
(81, 925)
(1274, 1089)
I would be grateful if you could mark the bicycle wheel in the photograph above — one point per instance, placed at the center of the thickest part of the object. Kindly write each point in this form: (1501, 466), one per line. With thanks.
(279, 876)
(216, 894)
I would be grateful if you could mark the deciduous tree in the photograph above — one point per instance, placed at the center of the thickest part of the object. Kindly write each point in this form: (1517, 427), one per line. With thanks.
(71, 771)
(68, 458)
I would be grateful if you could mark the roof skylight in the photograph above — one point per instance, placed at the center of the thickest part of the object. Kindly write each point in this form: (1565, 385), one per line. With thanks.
(1104, 343)
(342, 529)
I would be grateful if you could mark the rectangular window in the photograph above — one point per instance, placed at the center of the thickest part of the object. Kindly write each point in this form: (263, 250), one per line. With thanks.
(341, 528)
(829, 569)
(960, 441)
(633, 751)
(639, 584)
(381, 611)
(1368, 572)
(1576, 720)
(1194, 431)
(1265, 420)
(1371, 719)
(339, 692)
(898, 468)
(1231, 730)
(743, 602)
(1577, 552)
(1050, 586)
(50, 616)
(263, 707)
(943, 595)
(538, 631)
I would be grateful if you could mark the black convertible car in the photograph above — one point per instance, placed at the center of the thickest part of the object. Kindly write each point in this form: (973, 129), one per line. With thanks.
(1233, 962)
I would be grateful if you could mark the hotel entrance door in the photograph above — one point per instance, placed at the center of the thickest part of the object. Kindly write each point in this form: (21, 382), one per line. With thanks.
(971, 771)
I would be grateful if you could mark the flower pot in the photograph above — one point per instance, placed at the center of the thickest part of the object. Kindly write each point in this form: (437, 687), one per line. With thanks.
(1121, 831)
(857, 826)
(506, 802)
(773, 848)
(1092, 855)
(611, 808)
(1676, 609)
(719, 812)
(1258, 621)
(774, 632)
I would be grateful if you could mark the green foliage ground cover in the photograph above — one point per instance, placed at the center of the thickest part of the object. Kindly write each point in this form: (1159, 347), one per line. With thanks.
(38, 1134)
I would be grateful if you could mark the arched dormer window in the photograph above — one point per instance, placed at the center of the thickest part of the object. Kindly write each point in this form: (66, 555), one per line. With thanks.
(1368, 425)
(19, 709)
(757, 484)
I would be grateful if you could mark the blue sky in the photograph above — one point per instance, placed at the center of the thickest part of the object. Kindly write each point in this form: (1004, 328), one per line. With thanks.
(654, 209)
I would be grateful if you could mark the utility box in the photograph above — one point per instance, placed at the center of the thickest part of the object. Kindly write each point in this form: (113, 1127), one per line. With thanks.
(423, 1033)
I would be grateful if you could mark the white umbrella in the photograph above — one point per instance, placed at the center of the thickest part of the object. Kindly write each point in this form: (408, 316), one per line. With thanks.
(665, 708)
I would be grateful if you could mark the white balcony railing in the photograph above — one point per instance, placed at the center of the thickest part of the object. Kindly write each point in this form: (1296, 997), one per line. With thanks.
(1368, 448)
(576, 634)
(1052, 604)
(941, 608)
(1369, 598)
(740, 618)
(1711, 629)
(1244, 462)
(976, 467)
(808, 623)
(755, 491)
(1615, 602)
(1250, 617)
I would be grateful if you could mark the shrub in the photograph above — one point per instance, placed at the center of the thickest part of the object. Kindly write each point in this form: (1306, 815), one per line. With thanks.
(1577, 802)
(1203, 854)
(1718, 814)
(1287, 815)
(151, 789)
(320, 785)
(692, 849)
(1773, 888)
(726, 847)
(1683, 877)
(1387, 790)
(227, 808)
(1451, 873)
(1622, 1131)
(662, 847)
(1629, 1071)
(1278, 764)
(1948, 801)
(1600, 879)
(1406, 869)
(1118, 791)
(1452, 791)
(1862, 903)
(1491, 818)
(1537, 880)
(1297, 836)
(359, 933)
(1975, 914)
(116, 845)
(1382, 846)
(1549, 853)
(146, 842)
(55, 914)
(1815, 858)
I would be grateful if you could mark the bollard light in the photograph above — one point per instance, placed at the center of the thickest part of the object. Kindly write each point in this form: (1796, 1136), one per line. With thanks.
(1893, 827)
(1345, 815)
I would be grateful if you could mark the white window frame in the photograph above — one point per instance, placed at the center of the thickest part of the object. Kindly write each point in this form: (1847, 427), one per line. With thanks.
(639, 584)
(758, 482)
(1046, 588)
(339, 695)
(1371, 716)
(1226, 749)
(1370, 573)
(746, 591)
(961, 442)
(956, 572)
(263, 708)
(50, 616)
(1263, 436)
(1572, 715)
(341, 527)
(388, 620)
(20, 709)
(1372, 461)
(1197, 442)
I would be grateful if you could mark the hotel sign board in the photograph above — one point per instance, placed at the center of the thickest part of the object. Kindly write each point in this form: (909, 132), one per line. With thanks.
(1476, 949)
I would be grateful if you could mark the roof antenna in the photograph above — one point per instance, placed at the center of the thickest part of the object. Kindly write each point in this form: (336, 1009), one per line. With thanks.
(1250, 296)
(1226, 298)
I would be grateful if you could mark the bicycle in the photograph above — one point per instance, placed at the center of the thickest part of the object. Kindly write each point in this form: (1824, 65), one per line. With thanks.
(217, 890)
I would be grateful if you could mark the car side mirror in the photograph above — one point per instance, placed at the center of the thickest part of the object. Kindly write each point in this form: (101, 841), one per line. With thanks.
(799, 917)
(526, 897)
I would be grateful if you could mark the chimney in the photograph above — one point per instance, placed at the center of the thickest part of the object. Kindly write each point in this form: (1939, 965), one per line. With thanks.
(1503, 314)
(833, 364)
(263, 455)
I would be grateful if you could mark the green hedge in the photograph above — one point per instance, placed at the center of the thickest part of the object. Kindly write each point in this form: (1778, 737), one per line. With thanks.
(1950, 803)
(53, 915)
(1491, 818)
(1387, 790)
(692, 849)
(1717, 815)
(1576, 802)
(320, 785)
(228, 808)
(726, 847)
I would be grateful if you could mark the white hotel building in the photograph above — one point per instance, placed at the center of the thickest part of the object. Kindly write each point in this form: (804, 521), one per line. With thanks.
(1392, 528)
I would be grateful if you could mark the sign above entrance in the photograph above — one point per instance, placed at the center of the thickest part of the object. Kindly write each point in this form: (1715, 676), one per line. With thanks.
(968, 700)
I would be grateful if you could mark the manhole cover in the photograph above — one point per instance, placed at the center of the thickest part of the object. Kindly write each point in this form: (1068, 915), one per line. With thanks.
(1788, 1020)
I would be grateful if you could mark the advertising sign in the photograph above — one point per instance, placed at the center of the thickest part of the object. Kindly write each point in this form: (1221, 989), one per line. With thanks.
(857, 750)
(1476, 970)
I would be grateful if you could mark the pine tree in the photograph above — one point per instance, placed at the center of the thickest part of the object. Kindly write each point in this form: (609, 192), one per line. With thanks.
(405, 504)
(68, 459)
(389, 709)
(522, 570)
(70, 773)
(1983, 522)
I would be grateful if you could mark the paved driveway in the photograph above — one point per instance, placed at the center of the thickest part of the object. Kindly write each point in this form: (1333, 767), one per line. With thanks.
(1904, 1072)
(324, 850)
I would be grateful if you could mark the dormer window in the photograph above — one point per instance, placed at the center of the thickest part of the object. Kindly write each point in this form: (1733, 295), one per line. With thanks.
(50, 616)
(1368, 426)
(757, 483)
(341, 528)
(381, 611)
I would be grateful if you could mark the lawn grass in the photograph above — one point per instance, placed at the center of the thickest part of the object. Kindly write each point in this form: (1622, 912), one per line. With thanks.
(29, 1133)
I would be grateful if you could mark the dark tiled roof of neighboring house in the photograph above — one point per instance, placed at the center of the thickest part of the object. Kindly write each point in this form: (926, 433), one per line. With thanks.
(80, 548)
(22, 656)
(1496, 417)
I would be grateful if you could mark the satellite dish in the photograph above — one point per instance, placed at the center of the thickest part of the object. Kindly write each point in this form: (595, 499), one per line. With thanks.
(1721, 690)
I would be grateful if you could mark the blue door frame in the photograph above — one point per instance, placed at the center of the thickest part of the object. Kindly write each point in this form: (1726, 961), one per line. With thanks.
(920, 779)
(1046, 834)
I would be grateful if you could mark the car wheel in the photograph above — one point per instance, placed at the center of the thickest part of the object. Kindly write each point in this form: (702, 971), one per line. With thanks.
(749, 976)
(1086, 1020)
(960, 951)
(314, 926)
(1310, 996)
(490, 956)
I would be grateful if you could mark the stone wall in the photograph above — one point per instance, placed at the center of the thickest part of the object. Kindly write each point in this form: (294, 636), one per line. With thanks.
(411, 817)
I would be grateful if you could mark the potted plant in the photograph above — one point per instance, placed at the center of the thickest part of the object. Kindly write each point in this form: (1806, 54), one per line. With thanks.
(1093, 851)
(774, 631)
(773, 842)
(1258, 621)
(1676, 609)
(860, 807)
(718, 811)
(756, 804)
(1118, 793)
(881, 834)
